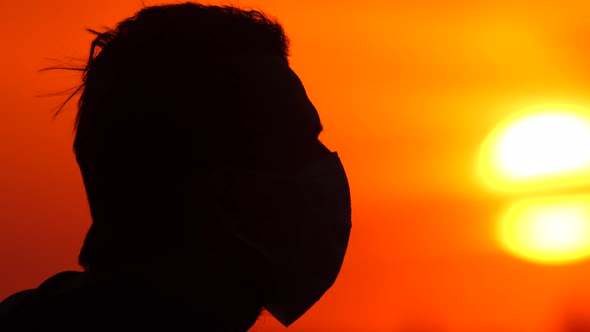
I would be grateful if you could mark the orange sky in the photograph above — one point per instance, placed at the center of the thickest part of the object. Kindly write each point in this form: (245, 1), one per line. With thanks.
(406, 93)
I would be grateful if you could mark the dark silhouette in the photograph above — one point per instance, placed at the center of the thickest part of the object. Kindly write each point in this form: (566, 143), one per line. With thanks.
(211, 196)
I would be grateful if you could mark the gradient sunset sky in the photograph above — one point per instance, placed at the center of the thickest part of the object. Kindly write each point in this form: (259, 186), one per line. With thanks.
(406, 90)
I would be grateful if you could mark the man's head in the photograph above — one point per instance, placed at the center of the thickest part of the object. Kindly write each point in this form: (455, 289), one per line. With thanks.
(170, 94)
(189, 116)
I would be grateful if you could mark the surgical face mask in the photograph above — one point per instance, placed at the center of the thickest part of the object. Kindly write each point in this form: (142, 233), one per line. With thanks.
(300, 224)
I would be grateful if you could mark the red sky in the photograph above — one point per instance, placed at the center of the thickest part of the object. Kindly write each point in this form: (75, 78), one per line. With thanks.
(406, 92)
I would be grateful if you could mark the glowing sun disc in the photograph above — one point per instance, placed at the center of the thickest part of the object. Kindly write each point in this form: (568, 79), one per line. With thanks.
(540, 147)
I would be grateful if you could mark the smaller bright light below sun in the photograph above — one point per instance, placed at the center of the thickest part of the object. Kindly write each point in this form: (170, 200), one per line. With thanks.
(548, 230)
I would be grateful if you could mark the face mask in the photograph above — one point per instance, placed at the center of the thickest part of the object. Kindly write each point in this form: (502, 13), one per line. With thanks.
(300, 224)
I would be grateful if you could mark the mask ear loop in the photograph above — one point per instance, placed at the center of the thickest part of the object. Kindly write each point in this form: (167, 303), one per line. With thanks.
(223, 192)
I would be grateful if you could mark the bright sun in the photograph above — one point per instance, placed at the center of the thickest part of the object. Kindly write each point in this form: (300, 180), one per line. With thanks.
(540, 147)
(552, 230)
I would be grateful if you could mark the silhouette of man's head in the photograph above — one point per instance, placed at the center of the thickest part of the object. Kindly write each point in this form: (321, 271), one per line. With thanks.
(169, 95)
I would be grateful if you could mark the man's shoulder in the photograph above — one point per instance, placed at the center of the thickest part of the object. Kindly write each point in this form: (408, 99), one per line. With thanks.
(67, 299)
(17, 300)
(23, 307)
